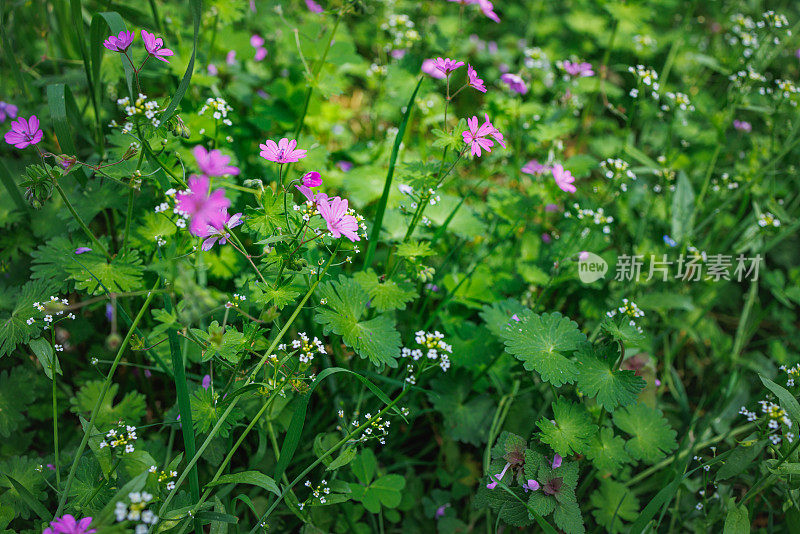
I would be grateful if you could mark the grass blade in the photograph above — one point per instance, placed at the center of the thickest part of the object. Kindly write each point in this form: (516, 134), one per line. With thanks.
(187, 76)
(61, 104)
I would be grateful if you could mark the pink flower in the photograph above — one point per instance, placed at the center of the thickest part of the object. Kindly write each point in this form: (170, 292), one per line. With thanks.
(230, 57)
(261, 53)
(212, 69)
(514, 82)
(204, 209)
(213, 162)
(530, 485)
(311, 195)
(563, 178)
(256, 41)
(473, 80)
(120, 42)
(69, 525)
(485, 6)
(82, 250)
(447, 65)
(155, 46)
(282, 152)
(578, 69)
(314, 7)
(743, 126)
(24, 132)
(219, 232)
(498, 477)
(344, 165)
(429, 68)
(582, 256)
(476, 137)
(7, 110)
(340, 221)
(494, 131)
(557, 459)
(441, 510)
(535, 168)
(550, 208)
(206, 382)
(312, 179)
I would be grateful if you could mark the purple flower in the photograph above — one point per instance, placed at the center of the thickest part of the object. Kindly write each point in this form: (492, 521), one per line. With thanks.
(564, 179)
(429, 68)
(51, 467)
(213, 162)
(535, 168)
(440, 511)
(312, 179)
(7, 111)
(514, 82)
(212, 69)
(476, 136)
(219, 232)
(155, 46)
(515, 317)
(580, 70)
(498, 477)
(230, 57)
(582, 256)
(284, 151)
(546, 238)
(261, 53)
(557, 459)
(206, 381)
(485, 6)
(69, 525)
(314, 7)
(24, 132)
(147, 373)
(473, 80)
(530, 485)
(81, 250)
(109, 311)
(256, 41)
(120, 42)
(204, 209)
(550, 208)
(344, 165)
(338, 218)
(743, 126)
(447, 65)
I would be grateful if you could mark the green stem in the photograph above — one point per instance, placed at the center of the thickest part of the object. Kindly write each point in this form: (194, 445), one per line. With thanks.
(127, 224)
(85, 439)
(53, 367)
(79, 220)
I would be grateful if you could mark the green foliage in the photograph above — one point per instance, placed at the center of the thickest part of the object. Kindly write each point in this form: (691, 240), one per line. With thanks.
(599, 377)
(651, 436)
(130, 408)
(384, 295)
(570, 431)
(465, 419)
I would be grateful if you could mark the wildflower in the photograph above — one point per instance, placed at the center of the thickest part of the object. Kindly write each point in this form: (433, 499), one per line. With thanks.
(155, 46)
(447, 65)
(314, 7)
(230, 57)
(429, 67)
(7, 111)
(213, 162)
(282, 152)
(536, 168)
(580, 70)
(206, 382)
(743, 126)
(344, 166)
(81, 250)
(67, 524)
(557, 459)
(498, 477)
(473, 80)
(564, 179)
(486, 7)
(204, 209)
(261, 53)
(669, 241)
(312, 179)
(24, 132)
(212, 69)
(494, 132)
(256, 41)
(120, 42)
(476, 136)
(515, 83)
(530, 485)
(339, 221)
(219, 232)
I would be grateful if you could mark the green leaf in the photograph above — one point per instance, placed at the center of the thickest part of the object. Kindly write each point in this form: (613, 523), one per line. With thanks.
(682, 209)
(16, 394)
(21, 486)
(622, 331)
(614, 503)
(346, 303)
(568, 518)
(269, 216)
(572, 431)
(741, 458)
(14, 329)
(364, 466)
(607, 451)
(29, 500)
(195, 6)
(255, 478)
(206, 412)
(542, 343)
(268, 295)
(44, 351)
(135, 484)
(597, 377)
(498, 315)
(93, 272)
(130, 409)
(465, 420)
(738, 520)
(414, 249)
(387, 295)
(652, 438)
(787, 400)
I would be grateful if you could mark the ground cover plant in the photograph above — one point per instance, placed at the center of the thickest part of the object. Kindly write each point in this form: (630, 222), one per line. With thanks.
(361, 266)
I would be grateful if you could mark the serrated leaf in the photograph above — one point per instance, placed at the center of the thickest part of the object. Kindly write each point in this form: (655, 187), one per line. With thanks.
(414, 249)
(614, 503)
(567, 516)
(572, 431)
(542, 343)
(14, 329)
(130, 409)
(346, 303)
(279, 296)
(597, 377)
(651, 436)
(500, 315)
(607, 451)
(387, 295)
(119, 275)
(466, 420)
(15, 395)
(737, 521)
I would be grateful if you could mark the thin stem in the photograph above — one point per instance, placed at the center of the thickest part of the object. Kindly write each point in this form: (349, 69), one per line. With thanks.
(79, 220)
(127, 224)
(53, 366)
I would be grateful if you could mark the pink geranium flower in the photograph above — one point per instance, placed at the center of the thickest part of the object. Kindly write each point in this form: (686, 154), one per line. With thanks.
(69, 525)
(120, 42)
(312, 179)
(314, 7)
(155, 46)
(219, 232)
(213, 162)
(535, 168)
(477, 136)
(515, 83)
(205, 210)
(7, 111)
(429, 68)
(486, 7)
(446, 65)
(230, 57)
(581, 70)
(564, 179)
(24, 132)
(338, 218)
(473, 80)
(256, 41)
(261, 53)
(281, 152)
